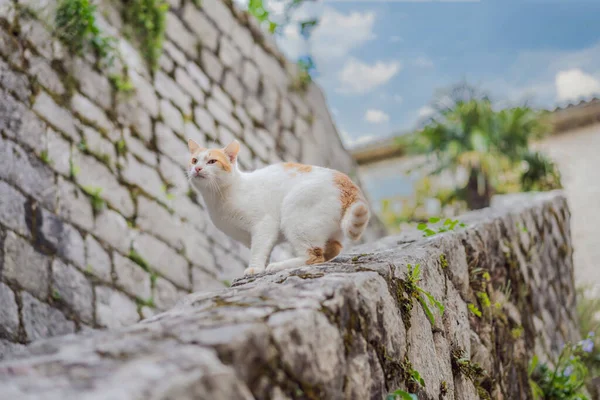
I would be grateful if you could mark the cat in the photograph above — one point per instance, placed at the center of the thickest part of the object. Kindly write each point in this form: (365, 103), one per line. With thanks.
(310, 207)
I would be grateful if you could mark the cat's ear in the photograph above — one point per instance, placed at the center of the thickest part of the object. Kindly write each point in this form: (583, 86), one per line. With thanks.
(193, 146)
(232, 150)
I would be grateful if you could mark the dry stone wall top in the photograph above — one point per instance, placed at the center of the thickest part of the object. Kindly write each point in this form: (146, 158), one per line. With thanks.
(98, 225)
(349, 329)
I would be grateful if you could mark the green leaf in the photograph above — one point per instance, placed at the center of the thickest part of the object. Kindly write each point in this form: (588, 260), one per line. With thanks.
(427, 310)
(422, 226)
(473, 308)
(402, 395)
(434, 220)
(429, 232)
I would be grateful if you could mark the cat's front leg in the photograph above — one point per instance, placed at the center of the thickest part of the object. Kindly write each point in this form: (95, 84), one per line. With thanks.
(264, 237)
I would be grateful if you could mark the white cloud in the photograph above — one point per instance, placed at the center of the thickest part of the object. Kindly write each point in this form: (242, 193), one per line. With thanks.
(359, 77)
(423, 62)
(350, 141)
(376, 116)
(425, 112)
(574, 84)
(398, 98)
(396, 39)
(336, 35)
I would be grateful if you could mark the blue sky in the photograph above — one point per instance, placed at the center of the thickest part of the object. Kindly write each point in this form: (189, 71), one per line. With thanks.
(381, 62)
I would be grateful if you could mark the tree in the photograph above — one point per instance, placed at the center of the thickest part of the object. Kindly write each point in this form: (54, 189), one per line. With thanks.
(466, 132)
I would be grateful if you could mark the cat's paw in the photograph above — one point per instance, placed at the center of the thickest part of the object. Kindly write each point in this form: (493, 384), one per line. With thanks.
(253, 270)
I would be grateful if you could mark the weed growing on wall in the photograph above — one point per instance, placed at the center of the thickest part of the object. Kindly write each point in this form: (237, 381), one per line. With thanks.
(448, 225)
(148, 20)
(401, 395)
(76, 27)
(412, 290)
(566, 379)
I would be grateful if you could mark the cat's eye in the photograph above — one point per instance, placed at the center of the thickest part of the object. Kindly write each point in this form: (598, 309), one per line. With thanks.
(194, 160)
(211, 161)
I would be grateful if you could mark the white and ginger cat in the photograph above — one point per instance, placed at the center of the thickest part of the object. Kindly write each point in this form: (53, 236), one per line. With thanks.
(310, 207)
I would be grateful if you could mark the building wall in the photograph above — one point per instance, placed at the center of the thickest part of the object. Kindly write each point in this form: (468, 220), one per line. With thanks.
(98, 225)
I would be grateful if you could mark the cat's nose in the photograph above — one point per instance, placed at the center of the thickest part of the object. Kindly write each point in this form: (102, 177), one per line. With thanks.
(198, 168)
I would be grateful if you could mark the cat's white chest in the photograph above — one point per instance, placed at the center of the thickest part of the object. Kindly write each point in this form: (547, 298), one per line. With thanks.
(232, 223)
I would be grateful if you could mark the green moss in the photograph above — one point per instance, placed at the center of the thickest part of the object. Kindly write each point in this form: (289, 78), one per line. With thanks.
(148, 20)
(121, 147)
(358, 257)
(55, 294)
(443, 261)
(145, 302)
(138, 259)
(121, 83)
(517, 332)
(76, 27)
(474, 310)
(98, 203)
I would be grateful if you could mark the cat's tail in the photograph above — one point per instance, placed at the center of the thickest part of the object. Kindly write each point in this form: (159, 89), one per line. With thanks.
(355, 219)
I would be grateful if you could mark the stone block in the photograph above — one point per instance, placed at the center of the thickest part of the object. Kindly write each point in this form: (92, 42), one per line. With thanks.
(74, 206)
(218, 12)
(174, 174)
(9, 313)
(190, 211)
(64, 238)
(242, 37)
(97, 260)
(256, 145)
(92, 84)
(166, 63)
(112, 229)
(155, 219)
(171, 116)
(26, 172)
(174, 53)
(250, 76)
(179, 34)
(55, 115)
(198, 76)
(211, 65)
(230, 55)
(255, 110)
(291, 144)
(169, 89)
(139, 149)
(131, 277)
(170, 144)
(89, 112)
(14, 82)
(100, 146)
(95, 175)
(21, 124)
(205, 282)
(41, 39)
(144, 177)
(201, 26)
(19, 253)
(114, 309)
(185, 81)
(42, 321)
(59, 152)
(165, 294)
(145, 93)
(69, 285)
(205, 121)
(197, 248)
(12, 209)
(234, 87)
(221, 114)
(163, 259)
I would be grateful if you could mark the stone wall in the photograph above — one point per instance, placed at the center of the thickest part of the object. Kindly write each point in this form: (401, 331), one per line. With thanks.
(345, 330)
(98, 225)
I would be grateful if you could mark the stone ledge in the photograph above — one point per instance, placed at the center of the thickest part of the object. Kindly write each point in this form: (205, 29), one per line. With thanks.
(341, 330)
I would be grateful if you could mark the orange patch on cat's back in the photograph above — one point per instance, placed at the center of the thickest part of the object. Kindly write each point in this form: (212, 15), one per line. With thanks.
(221, 158)
(297, 167)
(349, 192)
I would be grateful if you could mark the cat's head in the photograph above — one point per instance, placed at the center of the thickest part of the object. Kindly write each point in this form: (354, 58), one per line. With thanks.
(207, 166)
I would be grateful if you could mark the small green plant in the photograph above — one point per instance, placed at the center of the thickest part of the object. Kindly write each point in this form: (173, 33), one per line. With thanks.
(166, 190)
(484, 299)
(76, 27)
(465, 366)
(45, 158)
(448, 225)
(401, 395)
(197, 3)
(139, 260)
(146, 302)
(73, 169)
(82, 145)
(302, 81)
(474, 310)
(121, 83)
(98, 203)
(89, 269)
(566, 380)
(226, 282)
(148, 20)
(517, 332)
(443, 261)
(55, 294)
(412, 290)
(121, 147)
